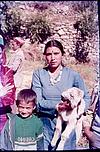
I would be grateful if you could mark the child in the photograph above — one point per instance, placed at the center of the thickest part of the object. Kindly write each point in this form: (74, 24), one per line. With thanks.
(25, 128)
(16, 61)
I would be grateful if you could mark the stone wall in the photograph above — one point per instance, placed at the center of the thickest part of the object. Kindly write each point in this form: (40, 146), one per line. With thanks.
(62, 17)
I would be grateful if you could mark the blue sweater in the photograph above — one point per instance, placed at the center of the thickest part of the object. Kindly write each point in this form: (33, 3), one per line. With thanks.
(49, 95)
(96, 119)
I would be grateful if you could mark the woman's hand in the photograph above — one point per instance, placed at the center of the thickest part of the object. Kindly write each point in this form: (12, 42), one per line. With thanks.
(63, 106)
(5, 89)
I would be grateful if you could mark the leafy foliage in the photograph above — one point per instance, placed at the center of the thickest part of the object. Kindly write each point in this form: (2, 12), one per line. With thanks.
(39, 30)
(13, 23)
(35, 28)
(4, 6)
(87, 27)
(81, 51)
(40, 6)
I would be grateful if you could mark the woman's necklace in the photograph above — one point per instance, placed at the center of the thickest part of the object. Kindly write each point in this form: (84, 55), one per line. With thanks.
(53, 79)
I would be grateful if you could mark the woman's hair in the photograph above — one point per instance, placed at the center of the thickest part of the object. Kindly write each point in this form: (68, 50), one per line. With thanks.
(26, 95)
(54, 43)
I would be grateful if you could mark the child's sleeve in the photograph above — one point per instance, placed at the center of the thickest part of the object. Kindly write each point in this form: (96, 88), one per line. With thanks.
(5, 138)
(40, 136)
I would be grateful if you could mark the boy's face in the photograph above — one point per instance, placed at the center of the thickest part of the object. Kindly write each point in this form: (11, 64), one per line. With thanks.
(25, 109)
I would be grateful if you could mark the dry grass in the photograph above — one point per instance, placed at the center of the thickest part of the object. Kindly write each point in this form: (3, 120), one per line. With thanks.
(28, 68)
(87, 72)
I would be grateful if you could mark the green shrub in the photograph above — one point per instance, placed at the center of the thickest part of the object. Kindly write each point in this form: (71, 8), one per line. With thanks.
(13, 23)
(38, 30)
(30, 26)
(86, 26)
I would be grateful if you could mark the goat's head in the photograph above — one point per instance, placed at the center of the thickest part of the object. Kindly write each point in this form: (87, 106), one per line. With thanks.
(72, 96)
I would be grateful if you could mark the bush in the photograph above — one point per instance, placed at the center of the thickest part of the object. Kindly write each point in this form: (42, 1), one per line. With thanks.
(34, 27)
(13, 23)
(86, 26)
(38, 30)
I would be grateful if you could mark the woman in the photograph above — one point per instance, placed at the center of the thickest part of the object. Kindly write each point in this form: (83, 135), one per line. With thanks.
(49, 83)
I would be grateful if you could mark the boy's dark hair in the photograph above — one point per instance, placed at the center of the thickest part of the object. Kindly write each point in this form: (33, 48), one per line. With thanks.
(27, 95)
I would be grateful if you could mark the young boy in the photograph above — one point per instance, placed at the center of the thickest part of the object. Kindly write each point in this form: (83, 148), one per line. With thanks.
(25, 128)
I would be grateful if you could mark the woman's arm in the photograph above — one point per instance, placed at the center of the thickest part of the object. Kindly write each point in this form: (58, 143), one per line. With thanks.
(81, 85)
(5, 89)
(43, 104)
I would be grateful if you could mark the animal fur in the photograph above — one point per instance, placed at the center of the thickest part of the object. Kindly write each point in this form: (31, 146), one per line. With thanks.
(70, 110)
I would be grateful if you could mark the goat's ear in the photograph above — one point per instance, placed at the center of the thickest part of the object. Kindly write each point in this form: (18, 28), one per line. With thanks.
(81, 107)
(78, 97)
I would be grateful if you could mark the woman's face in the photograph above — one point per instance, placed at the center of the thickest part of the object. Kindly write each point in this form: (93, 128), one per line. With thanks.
(53, 57)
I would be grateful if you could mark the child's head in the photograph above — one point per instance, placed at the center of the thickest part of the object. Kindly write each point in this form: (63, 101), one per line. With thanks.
(26, 102)
(17, 42)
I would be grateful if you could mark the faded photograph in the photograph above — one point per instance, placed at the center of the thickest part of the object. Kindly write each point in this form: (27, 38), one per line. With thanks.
(49, 75)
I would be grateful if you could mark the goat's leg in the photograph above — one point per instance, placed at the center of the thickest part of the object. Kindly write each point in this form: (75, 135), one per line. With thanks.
(65, 135)
(79, 129)
(57, 131)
